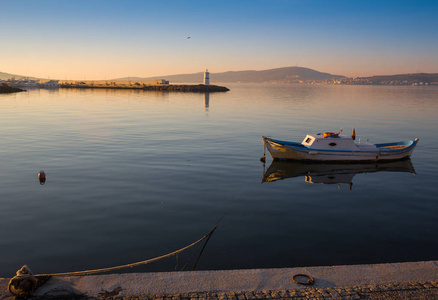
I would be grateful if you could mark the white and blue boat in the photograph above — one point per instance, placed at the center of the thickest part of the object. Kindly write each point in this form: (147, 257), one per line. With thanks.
(331, 146)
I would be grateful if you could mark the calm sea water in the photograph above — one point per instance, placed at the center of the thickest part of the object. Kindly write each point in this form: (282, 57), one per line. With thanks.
(132, 175)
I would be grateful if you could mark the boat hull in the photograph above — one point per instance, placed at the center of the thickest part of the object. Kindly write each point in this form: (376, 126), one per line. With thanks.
(282, 150)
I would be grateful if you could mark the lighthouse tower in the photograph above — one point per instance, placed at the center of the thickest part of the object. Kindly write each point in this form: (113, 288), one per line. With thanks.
(206, 78)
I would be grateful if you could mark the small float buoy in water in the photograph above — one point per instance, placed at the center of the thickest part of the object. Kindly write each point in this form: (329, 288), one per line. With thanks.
(42, 177)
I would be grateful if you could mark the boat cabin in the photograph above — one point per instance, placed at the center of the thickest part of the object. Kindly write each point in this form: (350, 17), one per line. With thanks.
(332, 141)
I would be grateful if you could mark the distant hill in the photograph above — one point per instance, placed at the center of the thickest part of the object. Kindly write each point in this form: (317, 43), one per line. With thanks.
(429, 78)
(280, 75)
(6, 76)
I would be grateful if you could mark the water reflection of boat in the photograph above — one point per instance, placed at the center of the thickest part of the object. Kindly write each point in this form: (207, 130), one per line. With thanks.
(328, 173)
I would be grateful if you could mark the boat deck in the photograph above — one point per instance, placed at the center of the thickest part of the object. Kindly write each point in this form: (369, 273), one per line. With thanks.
(394, 147)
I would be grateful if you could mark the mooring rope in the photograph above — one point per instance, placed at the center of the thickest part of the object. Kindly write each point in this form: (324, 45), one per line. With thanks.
(25, 283)
(263, 158)
(144, 262)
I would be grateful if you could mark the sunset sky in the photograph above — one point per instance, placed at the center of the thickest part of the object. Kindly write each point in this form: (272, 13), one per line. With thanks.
(109, 39)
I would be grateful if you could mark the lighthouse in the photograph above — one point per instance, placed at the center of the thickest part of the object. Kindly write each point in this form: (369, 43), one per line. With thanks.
(206, 78)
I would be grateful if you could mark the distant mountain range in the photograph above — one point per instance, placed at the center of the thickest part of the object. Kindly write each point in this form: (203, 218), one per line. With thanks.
(279, 75)
(6, 76)
(419, 77)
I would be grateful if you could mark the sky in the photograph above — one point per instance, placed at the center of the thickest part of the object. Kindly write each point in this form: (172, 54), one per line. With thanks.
(96, 39)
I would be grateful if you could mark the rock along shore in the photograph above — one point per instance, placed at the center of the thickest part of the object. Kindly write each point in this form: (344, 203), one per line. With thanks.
(6, 89)
(200, 88)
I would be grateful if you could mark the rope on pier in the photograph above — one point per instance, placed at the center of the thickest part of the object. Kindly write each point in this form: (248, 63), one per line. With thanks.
(25, 283)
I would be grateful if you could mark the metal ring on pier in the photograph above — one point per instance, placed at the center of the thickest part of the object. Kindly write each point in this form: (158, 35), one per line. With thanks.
(310, 281)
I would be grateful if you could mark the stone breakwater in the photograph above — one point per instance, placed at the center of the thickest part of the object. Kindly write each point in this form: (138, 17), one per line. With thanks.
(6, 89)
(200, 88)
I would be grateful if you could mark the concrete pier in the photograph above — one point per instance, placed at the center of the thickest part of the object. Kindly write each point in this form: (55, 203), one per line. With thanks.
(413, 280)
(124, 85)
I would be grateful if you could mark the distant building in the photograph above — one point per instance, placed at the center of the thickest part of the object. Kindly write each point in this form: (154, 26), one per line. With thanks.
(50, 84)
(23, 83)
(156, 82)
(206, 78)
